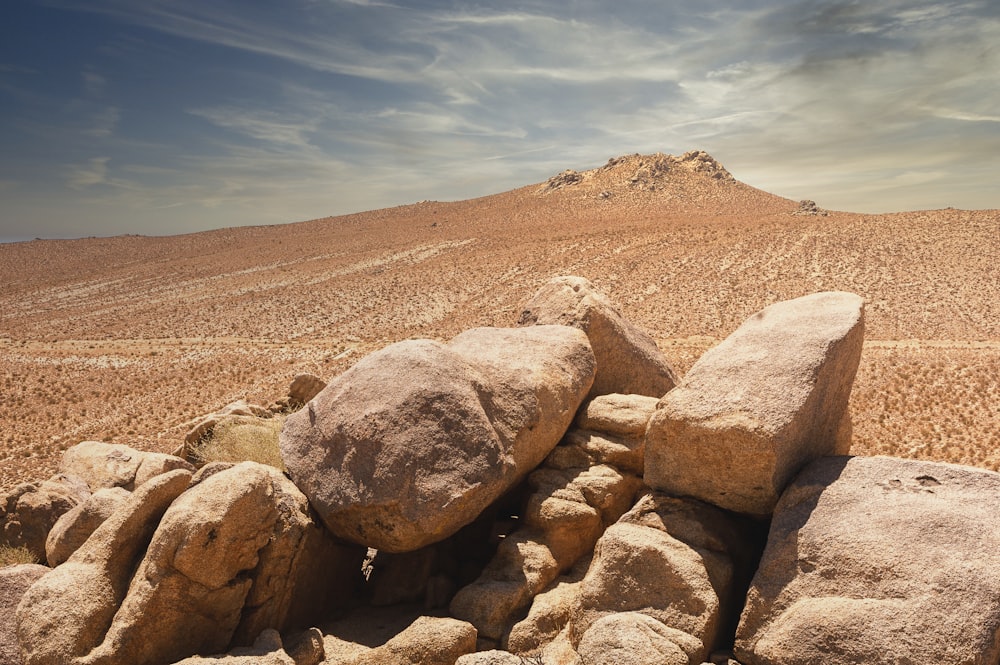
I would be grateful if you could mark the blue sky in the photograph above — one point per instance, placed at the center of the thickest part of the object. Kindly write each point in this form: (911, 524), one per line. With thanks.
(170, 116)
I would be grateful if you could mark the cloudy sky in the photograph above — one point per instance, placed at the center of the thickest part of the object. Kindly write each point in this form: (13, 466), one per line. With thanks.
(170, 116)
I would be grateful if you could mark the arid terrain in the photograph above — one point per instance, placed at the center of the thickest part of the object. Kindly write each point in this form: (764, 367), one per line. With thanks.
(127, 339)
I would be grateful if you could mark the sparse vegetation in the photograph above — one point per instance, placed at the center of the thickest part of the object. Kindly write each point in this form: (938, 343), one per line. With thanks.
(238, 441)
(12, 556)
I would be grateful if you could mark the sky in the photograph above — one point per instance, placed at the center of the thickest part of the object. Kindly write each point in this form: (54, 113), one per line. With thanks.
(162, 117)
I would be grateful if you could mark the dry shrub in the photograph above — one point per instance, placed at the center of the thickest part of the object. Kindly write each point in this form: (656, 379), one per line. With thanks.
(241, 441)
(12, 556)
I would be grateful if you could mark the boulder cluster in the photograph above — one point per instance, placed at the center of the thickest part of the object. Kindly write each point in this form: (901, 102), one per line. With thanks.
(547, 493)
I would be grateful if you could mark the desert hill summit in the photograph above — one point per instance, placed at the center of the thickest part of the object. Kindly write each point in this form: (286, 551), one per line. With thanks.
(127, 339)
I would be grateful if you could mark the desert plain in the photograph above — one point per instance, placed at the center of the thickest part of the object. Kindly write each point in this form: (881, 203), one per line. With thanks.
(129, 339)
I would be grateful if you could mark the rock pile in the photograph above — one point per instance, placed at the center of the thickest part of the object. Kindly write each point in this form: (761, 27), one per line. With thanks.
(550, 493)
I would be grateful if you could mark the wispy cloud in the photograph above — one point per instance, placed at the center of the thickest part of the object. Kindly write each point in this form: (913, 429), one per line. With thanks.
(93, 172)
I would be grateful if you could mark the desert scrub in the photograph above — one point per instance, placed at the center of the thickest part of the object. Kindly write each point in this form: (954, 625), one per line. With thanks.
(240, 441)
(11, 556)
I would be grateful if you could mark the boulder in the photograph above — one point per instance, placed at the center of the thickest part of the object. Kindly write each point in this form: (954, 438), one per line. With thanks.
(266, 650)
(236, 554)
(564, 517)
(14, 582)
(878, 560)
(491, 657)
(415, 440)
(29, 512)
(668, 558)
(238, 411)
(72, 529)
(625, 415)
(115, 465)
(426, 641)
(64, 615)
(628, 360)
(631, 637)
(550, 612)
(756, 408)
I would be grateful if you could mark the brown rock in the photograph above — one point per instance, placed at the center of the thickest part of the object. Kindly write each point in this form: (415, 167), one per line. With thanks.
(234, 555)
(266, 650)
(628, 360)
(631, 637)
(415, 440)
(627, 415)
(878, 560)
(491, 657)
(304, 387)
(668, 558)
(74, 527)
(563, 519)
(29, 512)
(550, 612)
(757, 407)
(427, 641)
(64, 615)
(116, 465)
(14, 582)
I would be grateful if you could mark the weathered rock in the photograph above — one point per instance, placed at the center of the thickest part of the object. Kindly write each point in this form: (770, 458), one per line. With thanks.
(234, 555)
(64, 615)
(668, 558)
(266, 650)
(14, 582)
(415, 440)
(631, 637)
(628, 360)
(878, 560)
(72, 529)
(28, 513)
(757, 407)
(582, 447)
(550, 612)
(427, 641)
(115, 465)
(563, 519)
(627, 415)
(491, 657)
(304, 387)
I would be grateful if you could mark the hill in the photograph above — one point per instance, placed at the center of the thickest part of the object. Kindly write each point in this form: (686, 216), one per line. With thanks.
(126, 339)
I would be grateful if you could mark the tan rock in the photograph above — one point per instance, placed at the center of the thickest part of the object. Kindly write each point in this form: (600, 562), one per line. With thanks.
(757, 407)
(14, 582)
(427, 641)
(491, 657)
(266, 650)
(631, 637)
(232, 411)
(64, 615)
(878, 560)
(549, 614)
(115, 465)
(415, 440)
(563, 519)
(234, 555)
(74, 527)
(624, 453)
(627, 415)
(30, 510)
(668, 558)
(304, 387)
(628, 360)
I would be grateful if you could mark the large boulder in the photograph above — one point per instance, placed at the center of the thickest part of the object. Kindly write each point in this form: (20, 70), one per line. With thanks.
(632, 637)
(14, 582)
(628, 360)
(74, 527)
(64, 615)
(673, 560)
(116, 465)
(757, 407)
(878, 560)
(415, 440)
(30, 510)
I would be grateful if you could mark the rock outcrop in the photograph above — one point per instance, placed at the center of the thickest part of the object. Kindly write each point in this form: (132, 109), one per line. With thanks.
(72, 529)
(628, 360)
(14, 582)
(415, 440)
(115, 465)
(878, 560)
(760, 405)
(30, 510)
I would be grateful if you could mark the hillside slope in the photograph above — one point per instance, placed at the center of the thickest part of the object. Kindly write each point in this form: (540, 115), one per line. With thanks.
(126, 338)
